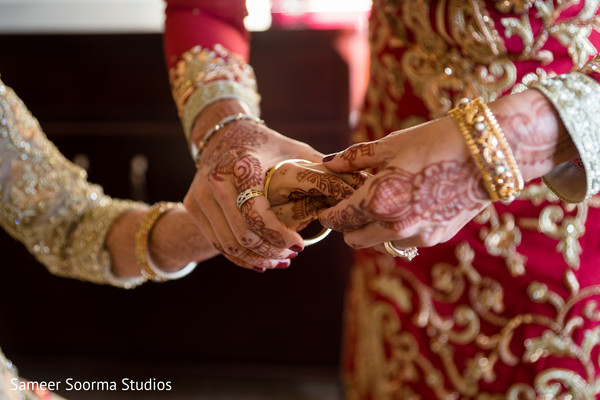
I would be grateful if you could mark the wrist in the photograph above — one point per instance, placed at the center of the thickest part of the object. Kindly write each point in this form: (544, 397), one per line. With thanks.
(534, 131)
(155, 248)
(212, 115)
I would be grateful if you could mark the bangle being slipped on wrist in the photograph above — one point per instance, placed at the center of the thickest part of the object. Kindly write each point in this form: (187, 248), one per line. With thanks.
(148, 269)
(489, 149)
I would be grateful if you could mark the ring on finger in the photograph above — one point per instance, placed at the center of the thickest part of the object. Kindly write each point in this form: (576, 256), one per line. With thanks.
(408, 253)
(247, 195)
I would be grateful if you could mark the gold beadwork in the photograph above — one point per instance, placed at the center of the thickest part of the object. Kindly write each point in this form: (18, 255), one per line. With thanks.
(49, 206)
(203, 76)
(489, 149)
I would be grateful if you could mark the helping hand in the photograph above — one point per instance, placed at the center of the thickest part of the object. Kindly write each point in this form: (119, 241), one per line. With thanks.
(236, 159)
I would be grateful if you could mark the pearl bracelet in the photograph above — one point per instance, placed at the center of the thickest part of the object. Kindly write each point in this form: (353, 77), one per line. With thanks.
(197, 150)
(148, 269)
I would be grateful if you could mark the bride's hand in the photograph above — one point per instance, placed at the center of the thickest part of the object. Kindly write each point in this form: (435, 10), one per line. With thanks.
(425, 189)
(427, 185)
(298, 190)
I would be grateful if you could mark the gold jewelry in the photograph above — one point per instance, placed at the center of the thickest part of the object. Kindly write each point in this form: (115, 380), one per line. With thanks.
(197, 150)
(205, 75)
(269, 175)
(148, 269)
(247, 195)
(270, 172)
(408, 253)
(489, 149)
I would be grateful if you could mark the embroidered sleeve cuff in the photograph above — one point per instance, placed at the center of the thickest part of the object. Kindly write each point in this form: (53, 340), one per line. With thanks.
(575, 97)
(203, 76)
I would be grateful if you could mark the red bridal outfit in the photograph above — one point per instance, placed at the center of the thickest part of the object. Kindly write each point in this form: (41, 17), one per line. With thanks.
(509, 307)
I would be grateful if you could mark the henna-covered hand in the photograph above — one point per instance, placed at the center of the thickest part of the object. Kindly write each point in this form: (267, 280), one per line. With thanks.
(427, 186)
(235, 159)
(425, 189)
(299, 190)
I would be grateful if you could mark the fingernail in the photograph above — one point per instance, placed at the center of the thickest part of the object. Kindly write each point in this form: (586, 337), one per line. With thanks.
(257, 269)
(329, 157)
(296, 248)
(293, 255)
(282, 265)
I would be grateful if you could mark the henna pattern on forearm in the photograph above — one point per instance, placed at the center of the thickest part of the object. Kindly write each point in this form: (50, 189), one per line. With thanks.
(399, 199)
(529, 139)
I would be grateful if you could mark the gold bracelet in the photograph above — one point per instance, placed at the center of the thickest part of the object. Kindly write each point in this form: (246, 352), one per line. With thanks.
(489, 149)
(148, 269)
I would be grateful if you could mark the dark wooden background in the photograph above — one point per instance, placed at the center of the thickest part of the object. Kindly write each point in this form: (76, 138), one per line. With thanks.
(107, 97)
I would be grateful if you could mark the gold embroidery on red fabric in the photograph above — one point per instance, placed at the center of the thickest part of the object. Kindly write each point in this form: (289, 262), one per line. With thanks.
(455, 51)
(388, 361)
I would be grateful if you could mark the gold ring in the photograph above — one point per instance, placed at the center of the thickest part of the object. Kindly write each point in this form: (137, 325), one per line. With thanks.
(247, 195)
(408, 253)
(269, 175)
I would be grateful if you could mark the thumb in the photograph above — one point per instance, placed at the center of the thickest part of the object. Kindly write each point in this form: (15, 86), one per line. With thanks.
(355, 158)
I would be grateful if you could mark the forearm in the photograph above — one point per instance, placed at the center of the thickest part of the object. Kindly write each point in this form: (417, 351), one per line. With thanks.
(173, 243)
(534, 131)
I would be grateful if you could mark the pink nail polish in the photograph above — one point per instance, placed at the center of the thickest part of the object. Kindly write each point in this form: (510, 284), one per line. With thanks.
(282, 265)
(293, 255)
(296, 248)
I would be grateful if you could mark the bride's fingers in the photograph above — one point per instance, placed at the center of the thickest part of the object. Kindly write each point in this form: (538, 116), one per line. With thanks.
(293, 181)
(298, 214)
(354, 179)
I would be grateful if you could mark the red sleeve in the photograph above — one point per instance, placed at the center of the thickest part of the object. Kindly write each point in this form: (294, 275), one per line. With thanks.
(204, 22)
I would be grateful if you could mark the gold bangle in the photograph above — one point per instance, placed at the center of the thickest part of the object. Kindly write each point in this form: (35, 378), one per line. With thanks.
(489, 149)
(271, 172)
(269, 175)
(147, 268)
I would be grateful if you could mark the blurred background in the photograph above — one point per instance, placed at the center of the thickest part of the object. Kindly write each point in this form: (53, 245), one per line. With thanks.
(92, 72)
